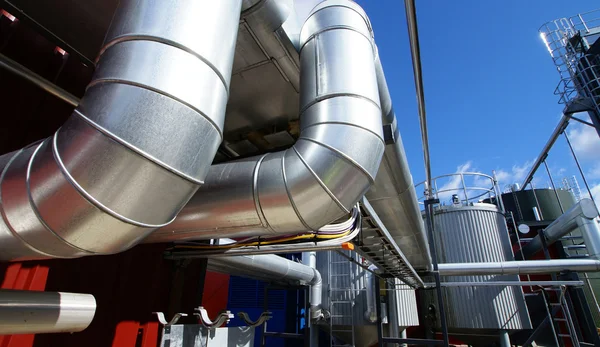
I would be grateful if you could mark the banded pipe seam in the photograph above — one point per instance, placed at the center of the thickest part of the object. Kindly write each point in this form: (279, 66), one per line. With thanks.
(138, 145)
(334, 161)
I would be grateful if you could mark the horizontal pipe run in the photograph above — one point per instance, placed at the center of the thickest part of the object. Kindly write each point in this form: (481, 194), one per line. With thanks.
(274, 268)
(30, 312)
(508, 283)
(525, 267)
(39, 81)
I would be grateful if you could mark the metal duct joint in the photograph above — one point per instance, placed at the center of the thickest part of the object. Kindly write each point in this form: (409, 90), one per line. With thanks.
(583, 216)
(334, 161)
(138, 145)
(31, 312)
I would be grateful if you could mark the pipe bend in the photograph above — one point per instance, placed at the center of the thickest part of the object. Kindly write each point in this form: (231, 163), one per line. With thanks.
(332, 164)
(140, 141)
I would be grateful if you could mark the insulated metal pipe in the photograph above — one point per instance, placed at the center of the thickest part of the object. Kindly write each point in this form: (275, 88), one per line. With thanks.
(394, 188)
(274, 268)
(581, 214)
(504, 339)
(524, 267)
(323, 175)
(139, 143)
(31, 312)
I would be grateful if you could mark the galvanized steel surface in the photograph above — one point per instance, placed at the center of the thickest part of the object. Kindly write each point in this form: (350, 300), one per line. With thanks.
(33, 312)
(323, 175)
(139, 143)
(408, 314)
(478, 233)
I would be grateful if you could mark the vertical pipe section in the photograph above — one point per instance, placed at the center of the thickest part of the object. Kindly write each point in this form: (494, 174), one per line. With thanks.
(139, 143)
(504, 339)
(323, 175)
(30, 312)
(310, 259)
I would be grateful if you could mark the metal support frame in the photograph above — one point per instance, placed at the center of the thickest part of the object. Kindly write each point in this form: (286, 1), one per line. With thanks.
(562, 209)
(309, 325)
(587, 186)
(429, 204)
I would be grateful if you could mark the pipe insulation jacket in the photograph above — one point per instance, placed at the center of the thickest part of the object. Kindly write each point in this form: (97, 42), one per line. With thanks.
(521, 267)
(32, 312)
(333, 162)
(272, 267)
(139, 144)
(582, 215)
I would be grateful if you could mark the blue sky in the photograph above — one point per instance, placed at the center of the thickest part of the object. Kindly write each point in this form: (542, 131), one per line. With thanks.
(489, 84)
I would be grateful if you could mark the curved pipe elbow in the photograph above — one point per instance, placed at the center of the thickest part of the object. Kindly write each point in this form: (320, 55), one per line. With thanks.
(332, 164)
(122, 166)
(316, 294)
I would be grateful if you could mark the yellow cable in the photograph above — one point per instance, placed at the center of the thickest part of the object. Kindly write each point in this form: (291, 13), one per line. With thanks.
(256, 243)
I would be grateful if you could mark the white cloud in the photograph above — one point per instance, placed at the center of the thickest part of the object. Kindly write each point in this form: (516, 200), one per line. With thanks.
(594, 172)
(585, 141)
(516, 174)
(595, 190)
(453, 184)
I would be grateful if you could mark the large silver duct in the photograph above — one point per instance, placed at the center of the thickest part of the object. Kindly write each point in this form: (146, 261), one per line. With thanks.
(31, 312)
(334, 161)
(138, 145)
(583, 216)
(393, 195)
(525, 267)
(274, 268)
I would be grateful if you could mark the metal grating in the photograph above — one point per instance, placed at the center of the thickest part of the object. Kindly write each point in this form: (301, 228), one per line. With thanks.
(378, 247)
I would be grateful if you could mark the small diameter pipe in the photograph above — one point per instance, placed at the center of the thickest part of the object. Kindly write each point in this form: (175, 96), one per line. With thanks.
(519, 267)
(29, 312)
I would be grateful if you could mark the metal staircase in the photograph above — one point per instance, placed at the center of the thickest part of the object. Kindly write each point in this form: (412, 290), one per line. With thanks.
(573, 47)
(342, 294)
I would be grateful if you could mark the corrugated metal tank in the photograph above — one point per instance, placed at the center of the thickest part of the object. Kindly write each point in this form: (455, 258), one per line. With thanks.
(345, 282)
(477, 233)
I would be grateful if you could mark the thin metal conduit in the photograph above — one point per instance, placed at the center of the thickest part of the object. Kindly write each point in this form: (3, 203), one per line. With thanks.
(519, 267)
(415, 51)
(22, 71)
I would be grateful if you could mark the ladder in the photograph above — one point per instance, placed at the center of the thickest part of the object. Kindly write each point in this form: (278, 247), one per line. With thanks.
(564, 326)
(341, 297)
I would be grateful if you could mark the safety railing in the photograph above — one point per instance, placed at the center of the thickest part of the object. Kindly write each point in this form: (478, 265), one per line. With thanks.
(463, 188)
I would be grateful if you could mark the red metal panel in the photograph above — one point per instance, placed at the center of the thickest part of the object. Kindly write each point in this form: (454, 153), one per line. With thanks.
(150, 334)
(126, 334)
(216, 292)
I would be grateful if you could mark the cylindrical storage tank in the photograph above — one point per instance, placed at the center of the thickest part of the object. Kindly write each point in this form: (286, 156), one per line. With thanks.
(522, 202)
(477, 233)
